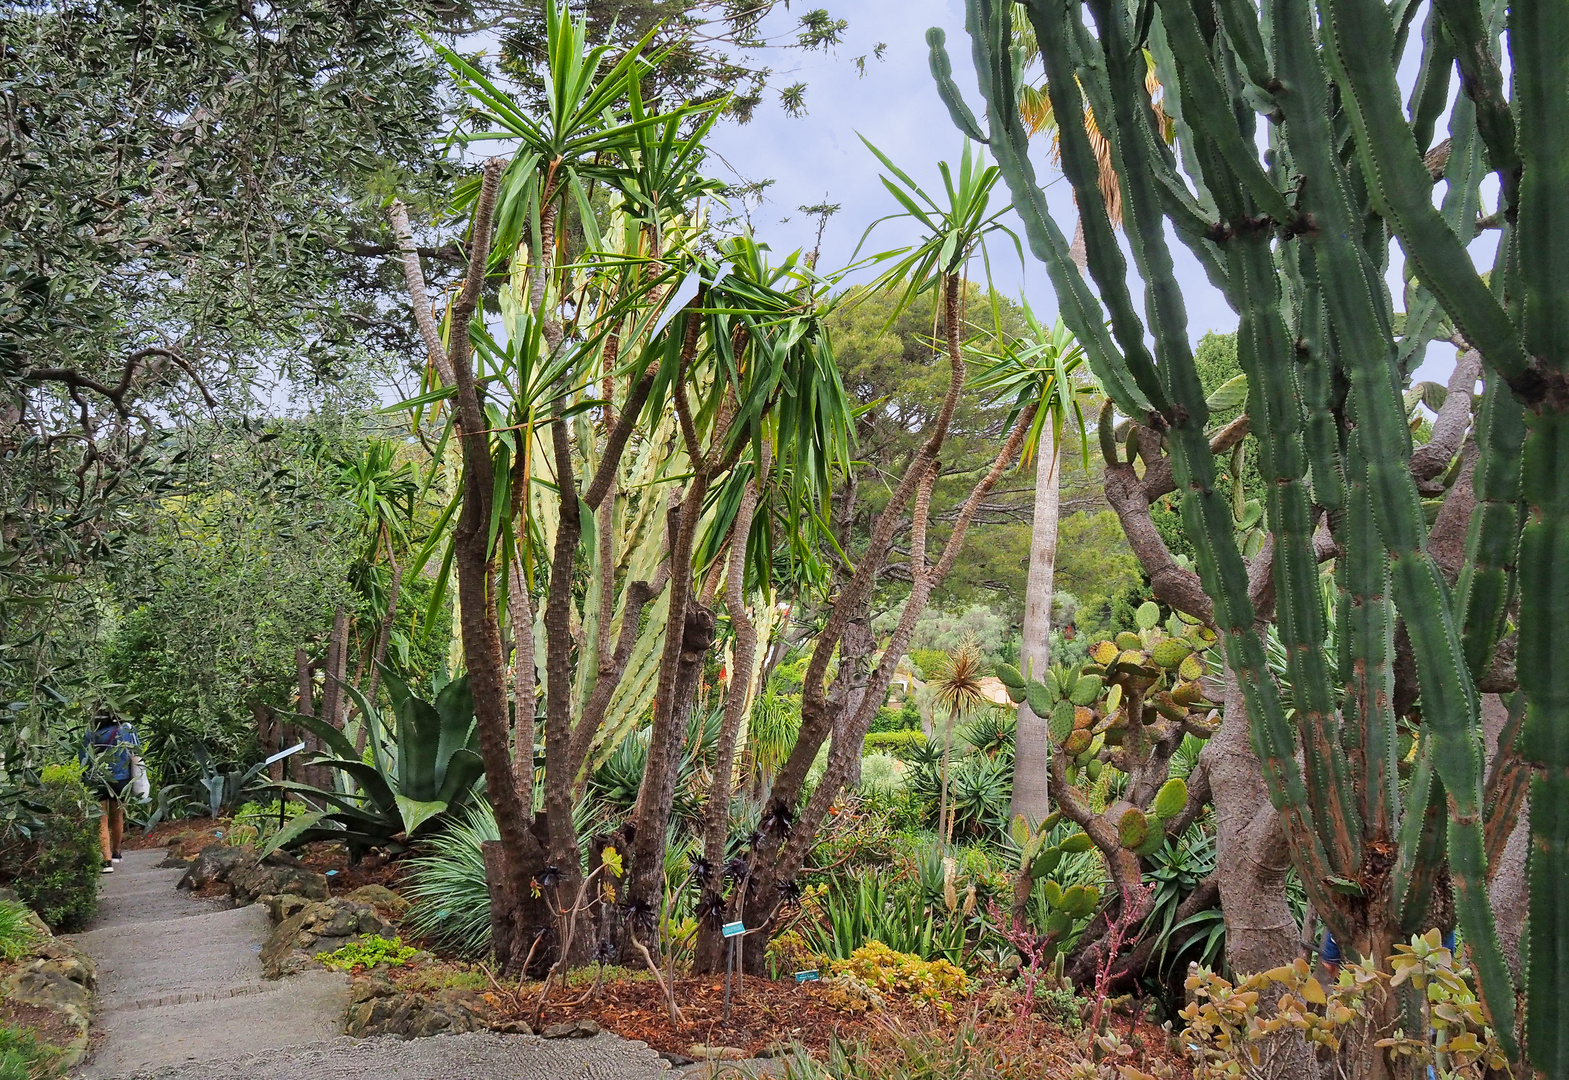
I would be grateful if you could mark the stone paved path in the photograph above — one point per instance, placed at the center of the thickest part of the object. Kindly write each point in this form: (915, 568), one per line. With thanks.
(181, 997)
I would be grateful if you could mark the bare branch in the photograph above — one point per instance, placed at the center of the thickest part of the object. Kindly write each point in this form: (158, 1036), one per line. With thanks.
(414, 278)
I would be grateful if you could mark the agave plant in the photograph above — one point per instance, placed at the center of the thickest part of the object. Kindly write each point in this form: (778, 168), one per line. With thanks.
(426, 770)
(220, 789)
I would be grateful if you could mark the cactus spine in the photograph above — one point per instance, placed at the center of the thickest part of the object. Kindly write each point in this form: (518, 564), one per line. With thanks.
(1299, 246)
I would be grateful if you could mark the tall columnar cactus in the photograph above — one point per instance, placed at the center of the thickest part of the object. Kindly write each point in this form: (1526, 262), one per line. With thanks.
(1298, 240)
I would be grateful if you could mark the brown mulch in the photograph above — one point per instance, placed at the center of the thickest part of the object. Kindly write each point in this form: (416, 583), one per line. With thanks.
(47, 1025)
(766, 1016)
(187, 835)
(332, 859)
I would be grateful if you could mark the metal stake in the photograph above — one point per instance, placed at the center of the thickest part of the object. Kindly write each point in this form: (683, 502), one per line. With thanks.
(729, 967)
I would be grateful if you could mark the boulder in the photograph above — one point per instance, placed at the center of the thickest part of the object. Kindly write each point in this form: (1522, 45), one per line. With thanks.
(215, 863)
(382, 899)
(247, 884)
(318, 927)
(572, 1029)
(57, 985)
(705, 1052)
(284, 905)
(409, 1016)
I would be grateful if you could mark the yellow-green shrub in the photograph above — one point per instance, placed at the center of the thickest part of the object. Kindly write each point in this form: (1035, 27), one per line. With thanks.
(933, 982)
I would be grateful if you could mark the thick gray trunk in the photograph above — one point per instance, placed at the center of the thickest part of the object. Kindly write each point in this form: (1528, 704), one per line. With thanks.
(1030, 741)
(1252, 858)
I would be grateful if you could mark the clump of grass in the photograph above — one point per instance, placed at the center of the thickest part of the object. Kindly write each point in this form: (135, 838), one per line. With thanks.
(451, 902)
(18, 935)
(23, 1057)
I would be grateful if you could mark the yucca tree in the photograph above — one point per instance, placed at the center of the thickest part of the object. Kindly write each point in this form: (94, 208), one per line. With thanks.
(385, 492)
(615, 410)
(837, 712)
(1044, 368)
(1299, 242)
(956, 688)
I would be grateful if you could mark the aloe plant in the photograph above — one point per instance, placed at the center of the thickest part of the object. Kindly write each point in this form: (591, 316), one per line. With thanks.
(413, 776)
(1298, 241)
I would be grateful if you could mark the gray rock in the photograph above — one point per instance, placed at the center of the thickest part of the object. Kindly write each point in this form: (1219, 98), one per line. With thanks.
(382, 899)
(411, 1016)
(572, 1029)
(215, 863)
(703, 1052)
(50, 984)
(318, 927)
(284, 905)
(374, 984)
(247, 884)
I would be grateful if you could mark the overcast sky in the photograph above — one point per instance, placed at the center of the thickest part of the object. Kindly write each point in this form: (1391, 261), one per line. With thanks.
(819, 158)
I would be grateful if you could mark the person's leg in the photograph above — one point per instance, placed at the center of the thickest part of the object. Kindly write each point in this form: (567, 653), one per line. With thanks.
(116, 827)
(105, 842)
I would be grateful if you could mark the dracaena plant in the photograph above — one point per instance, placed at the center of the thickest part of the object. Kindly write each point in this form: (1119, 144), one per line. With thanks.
(624, 417)
(1298, 241)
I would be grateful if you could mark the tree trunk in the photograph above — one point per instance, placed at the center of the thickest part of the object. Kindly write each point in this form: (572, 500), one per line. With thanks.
(305, 674)
(709, 952)
(337, 664)
(1031, 743)
(1250, 846)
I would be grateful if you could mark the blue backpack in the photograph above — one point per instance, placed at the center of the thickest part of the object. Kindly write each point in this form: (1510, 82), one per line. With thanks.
(109, 748)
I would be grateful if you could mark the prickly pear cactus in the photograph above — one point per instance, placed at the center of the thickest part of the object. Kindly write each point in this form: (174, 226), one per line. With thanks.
(1128, 709)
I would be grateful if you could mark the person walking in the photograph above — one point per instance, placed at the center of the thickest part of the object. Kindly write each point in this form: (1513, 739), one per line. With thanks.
(109, 761)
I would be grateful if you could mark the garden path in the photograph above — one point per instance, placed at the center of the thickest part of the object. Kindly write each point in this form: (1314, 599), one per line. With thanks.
(181, 997)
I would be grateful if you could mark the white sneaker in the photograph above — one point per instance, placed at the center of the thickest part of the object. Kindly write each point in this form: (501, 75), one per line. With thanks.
(108, 868)
(117, 860)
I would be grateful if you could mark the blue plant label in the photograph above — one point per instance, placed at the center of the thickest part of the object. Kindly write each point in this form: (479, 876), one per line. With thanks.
(806, 976)
(734, 929)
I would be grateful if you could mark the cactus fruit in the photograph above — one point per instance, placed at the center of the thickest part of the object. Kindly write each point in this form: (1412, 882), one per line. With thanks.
(1125, 641)
(1103, 652)
(1170, 653)
(1009, 675)
(1060, 721)
(1133, 828)
(1148, 615)
(1171, 798)
(1085, 690)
